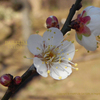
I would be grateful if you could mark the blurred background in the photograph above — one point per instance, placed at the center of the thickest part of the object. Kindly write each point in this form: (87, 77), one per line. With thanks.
(21, 18)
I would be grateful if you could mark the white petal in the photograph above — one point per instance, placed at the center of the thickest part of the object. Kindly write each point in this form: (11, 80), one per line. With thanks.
(53, 36)
(95, 29)
(68, 49)
(41, 68)
(90, 42)
(35, 41)
(56, 73)
(79, 41)
(91, 10)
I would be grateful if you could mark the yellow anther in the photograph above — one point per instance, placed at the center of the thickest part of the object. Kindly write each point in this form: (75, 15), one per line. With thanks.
(97, 46)
(68, 40)
(61, 41)
(50, 30)
(47, 30)
(62, 53)
(37, 32)
(62, 50)
(52, 37)
(48, 39)
(76, 50)
(60, 77)
(65, 67)
(46, 62)
(76, 68)
(62, 44)
(76, 64)
(54, 32)
(59, 62)
(24, 56)
(67, 53)
(68, 34)
(56, 67)
(48, 71)
(59, 56)
(88, 51)
(69, 58)
(63, 58)
(58, 53)
(72, 41)
(59, 59)
(38, 48)
(42, 62)
(54, 55)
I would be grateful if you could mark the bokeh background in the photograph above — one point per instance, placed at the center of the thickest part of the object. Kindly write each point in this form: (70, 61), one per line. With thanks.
(21, 18)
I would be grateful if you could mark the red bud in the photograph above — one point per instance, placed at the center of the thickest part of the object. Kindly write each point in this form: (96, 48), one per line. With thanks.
(52, 21)
(17, 80)
(6, 79)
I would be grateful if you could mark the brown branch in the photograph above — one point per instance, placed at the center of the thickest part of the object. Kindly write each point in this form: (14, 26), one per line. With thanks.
(74, 8)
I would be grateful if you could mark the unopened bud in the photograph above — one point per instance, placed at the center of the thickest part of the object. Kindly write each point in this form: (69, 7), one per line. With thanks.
(52, 21)
(6, 80)
(17, 80)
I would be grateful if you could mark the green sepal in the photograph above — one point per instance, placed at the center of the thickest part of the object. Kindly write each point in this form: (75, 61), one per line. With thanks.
(79, 36)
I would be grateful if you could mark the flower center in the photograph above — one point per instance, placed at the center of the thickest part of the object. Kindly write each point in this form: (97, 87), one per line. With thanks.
(49, 56)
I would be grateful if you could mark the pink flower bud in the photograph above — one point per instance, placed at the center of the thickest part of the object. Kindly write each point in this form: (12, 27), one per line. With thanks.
(17, 80)
(52, 21)
(6, 79)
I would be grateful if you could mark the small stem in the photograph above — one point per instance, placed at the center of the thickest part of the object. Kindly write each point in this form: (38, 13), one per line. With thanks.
(66, 27)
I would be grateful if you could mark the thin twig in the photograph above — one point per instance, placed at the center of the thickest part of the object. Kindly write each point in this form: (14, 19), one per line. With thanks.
(73, 9)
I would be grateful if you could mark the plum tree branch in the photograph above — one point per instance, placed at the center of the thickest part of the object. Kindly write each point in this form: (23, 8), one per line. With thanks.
(32, 69)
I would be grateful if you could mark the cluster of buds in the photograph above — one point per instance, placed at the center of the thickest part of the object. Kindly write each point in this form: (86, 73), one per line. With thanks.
(8, 80)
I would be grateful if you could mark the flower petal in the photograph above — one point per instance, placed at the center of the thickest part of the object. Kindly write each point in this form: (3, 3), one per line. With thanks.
(95, 29)
(58, 72)
(53, 36)
(90, 42)
(68, 49)
(34, 42)
(91, 10)
(41, 68)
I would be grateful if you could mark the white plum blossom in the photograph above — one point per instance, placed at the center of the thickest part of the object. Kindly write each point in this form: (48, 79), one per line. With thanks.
(52, 54)
(88, 27)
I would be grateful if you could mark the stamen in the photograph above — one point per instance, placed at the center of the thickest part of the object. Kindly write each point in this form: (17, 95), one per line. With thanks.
(67, 53)
(77, 69)
(60, 77)
(76, 64)
(72, 41)
(38, 48)
(69, 58)
(27, 58)
(42, 62)
(37, 32)
(48, 71)
(88, 51)
(54, 32)
(76, 50)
